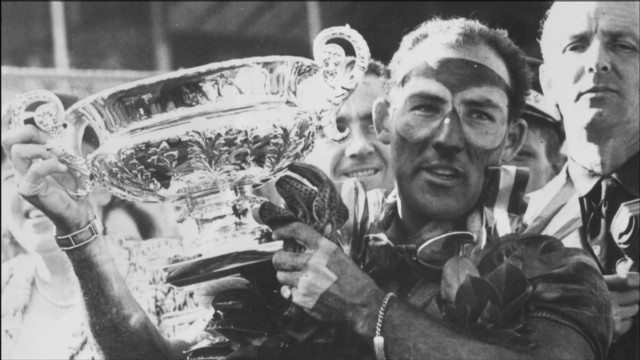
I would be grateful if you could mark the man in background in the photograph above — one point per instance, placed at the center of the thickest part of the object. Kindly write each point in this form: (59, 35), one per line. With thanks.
(591, 59)
(541, 150)
(359, 155)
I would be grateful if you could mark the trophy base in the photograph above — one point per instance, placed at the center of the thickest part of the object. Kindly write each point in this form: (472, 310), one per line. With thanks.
(227, 240)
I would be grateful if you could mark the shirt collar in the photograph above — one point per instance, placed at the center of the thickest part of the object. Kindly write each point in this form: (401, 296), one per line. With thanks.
(390, 222)
(627, 175)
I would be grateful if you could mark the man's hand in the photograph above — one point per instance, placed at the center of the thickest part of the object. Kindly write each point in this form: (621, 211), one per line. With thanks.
(625, 296)
(35, 168)
(324, 281)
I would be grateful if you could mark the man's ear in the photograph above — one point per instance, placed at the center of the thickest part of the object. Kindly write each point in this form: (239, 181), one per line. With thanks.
(516, 134)
(558, 162)
(382, 119)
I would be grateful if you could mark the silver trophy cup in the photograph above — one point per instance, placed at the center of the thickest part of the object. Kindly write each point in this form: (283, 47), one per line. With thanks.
(202, 138)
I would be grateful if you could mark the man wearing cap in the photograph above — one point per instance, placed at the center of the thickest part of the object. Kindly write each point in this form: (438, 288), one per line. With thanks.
(590, 70)
(541, 150)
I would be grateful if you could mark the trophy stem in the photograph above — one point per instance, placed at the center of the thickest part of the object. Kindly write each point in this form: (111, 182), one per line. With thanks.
(223, 218)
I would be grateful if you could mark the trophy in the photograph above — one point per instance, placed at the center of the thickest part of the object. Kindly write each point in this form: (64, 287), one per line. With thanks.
(202, 138)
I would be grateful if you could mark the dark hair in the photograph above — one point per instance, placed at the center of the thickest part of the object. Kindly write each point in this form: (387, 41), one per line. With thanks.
(459, 32)
(377, 68)
(541, 33)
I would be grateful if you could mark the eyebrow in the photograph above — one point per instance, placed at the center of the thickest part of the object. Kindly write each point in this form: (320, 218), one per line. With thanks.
(8, 177)
(617, 34)
(427, 97)
(484, 103)
(610, 34)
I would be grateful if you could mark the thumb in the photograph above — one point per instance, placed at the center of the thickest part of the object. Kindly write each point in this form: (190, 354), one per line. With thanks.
(617, 282)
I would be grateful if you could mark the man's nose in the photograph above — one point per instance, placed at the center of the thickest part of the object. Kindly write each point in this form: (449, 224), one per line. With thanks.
(359, 143)
(449, 137)
(598, 59)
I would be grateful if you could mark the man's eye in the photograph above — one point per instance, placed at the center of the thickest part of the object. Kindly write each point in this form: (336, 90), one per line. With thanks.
(524, 155)
(480, 115)
(426, 109)
(622, 45)
(342, 125)
(575, 47)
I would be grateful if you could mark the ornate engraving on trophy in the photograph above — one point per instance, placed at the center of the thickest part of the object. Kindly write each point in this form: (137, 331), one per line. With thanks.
(203, 138)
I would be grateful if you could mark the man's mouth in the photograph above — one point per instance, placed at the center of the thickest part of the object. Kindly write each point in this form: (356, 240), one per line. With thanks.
(33, 214)
(443, 172)
(361, 173)
(598, 89)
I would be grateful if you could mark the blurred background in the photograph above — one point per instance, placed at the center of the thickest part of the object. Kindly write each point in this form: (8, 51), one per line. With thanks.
(82, 47)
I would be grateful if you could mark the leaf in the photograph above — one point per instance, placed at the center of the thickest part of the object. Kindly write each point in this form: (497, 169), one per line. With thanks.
(514, 310)
(471, 299)
(454, 273)
(449, 311)
(491, 316)
(510, 283)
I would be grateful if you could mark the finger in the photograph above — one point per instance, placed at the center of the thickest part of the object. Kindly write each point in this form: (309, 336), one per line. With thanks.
(619, 282)
(626, 297)
(289, 278)
(625, 312)
(273, 215)
(23, 154)
(294, 192)
(311, 173)
(286, 291)
(302, 233)
(633, 279)
(290, 261)
(34, 181)
(620, 328)
(23, 135)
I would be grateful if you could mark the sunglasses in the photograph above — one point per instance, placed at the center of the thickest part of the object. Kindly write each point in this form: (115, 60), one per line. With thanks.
(433, 254)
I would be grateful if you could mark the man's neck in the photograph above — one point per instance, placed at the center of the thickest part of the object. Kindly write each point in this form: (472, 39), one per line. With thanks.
(416, 228)
(604, 157)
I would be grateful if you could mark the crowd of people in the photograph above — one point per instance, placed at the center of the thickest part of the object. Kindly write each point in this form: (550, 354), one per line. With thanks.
(456, 257)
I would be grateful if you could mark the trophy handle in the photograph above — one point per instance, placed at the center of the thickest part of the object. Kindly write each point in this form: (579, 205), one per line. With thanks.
(331, 58)
(45, 111)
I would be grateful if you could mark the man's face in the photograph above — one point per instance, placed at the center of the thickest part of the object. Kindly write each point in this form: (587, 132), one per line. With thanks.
(591, 66)
(361, 155)
(533, 155)
(448, 121)
(28, 225)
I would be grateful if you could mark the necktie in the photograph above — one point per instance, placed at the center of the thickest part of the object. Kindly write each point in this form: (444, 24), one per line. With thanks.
(598, 208)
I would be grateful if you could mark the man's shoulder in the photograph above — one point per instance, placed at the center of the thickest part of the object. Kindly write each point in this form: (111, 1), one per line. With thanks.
(567, 285)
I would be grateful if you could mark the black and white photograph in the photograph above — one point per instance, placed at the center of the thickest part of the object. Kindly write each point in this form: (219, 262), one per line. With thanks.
(315, 180)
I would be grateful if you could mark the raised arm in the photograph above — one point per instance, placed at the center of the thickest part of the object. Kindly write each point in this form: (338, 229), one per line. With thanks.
(118, 323)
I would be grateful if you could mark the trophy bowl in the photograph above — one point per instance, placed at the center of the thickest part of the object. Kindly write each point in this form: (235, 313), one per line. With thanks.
(202, 138)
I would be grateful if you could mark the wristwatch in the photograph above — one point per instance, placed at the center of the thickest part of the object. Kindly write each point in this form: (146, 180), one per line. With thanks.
(80, 237)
